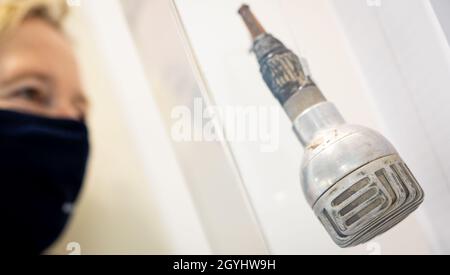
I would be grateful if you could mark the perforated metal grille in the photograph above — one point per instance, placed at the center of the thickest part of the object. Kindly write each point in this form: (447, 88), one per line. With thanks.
(369, 201)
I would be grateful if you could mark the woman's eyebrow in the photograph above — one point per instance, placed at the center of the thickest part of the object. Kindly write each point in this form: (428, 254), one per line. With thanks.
(27, 74)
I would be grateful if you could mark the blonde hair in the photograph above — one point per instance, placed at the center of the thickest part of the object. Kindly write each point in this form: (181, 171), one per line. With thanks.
(13, 12)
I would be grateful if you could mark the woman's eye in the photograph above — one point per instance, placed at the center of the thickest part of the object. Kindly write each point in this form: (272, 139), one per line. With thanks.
(31, 94)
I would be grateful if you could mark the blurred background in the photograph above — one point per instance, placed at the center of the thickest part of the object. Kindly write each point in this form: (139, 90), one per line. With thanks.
(385, 63)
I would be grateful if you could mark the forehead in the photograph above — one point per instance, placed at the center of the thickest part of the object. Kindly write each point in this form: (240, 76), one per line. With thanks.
(36, 45)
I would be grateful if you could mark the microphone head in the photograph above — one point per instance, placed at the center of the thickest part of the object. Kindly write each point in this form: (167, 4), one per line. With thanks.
(355, 181)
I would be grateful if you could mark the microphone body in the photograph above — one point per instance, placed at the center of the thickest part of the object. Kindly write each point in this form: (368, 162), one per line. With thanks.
(352, 177)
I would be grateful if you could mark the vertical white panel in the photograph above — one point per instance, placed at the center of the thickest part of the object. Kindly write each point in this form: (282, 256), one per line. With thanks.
(214, 182)
(180, 221)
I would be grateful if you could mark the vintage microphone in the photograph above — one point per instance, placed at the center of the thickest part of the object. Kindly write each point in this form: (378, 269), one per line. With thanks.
(353, 178)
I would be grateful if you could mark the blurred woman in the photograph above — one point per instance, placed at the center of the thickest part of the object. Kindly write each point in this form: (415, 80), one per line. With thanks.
(43, 137)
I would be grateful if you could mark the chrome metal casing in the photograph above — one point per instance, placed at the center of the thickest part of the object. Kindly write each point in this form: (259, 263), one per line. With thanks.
(352, 177)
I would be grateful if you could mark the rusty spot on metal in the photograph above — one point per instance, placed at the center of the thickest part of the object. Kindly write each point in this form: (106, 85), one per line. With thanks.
(315, 144)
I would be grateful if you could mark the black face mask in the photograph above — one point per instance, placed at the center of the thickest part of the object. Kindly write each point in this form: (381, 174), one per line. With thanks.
(42, 165)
